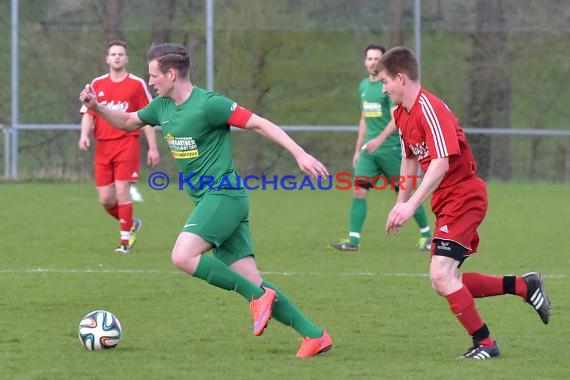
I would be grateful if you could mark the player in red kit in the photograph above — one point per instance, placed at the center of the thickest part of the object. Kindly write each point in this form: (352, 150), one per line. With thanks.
(117, 153)
(431, 136)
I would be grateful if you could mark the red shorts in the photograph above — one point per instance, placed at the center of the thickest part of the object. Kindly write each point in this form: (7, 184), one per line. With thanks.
(459, 210)
(117, 160)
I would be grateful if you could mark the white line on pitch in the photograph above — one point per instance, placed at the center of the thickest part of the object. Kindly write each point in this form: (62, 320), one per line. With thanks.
(150, 271)
(270, 273)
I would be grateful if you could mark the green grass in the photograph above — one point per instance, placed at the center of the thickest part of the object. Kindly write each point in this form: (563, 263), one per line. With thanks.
(57, 264)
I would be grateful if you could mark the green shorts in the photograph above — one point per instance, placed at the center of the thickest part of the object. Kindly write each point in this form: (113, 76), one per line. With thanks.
(223, 220)
(386, 163)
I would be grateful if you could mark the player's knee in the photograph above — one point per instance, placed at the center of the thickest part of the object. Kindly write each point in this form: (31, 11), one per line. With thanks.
(176, 258)
(123, 196)
(360, 192)
(183, 261)
(442, 283)
(444, 269)
(439, 280)
(107, 202)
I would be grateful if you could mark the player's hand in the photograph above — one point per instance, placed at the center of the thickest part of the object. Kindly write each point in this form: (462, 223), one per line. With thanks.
(84, 143)
(87, 97)
(371, 145)
(312, 166)
(152, 157)
(398, 216)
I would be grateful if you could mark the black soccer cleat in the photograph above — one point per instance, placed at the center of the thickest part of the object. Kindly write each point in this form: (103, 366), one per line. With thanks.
(343, 246)
(480, 352)
(536, 295)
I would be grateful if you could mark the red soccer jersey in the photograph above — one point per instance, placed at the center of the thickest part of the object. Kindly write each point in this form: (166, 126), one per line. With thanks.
(129, 95)
(430, 130)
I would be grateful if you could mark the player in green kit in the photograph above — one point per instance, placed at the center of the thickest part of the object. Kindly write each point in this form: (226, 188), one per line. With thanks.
(377, 152)
(196, 125)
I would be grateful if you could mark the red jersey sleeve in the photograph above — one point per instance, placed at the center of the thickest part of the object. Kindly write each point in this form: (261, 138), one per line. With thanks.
(239, 117)
(439, 125)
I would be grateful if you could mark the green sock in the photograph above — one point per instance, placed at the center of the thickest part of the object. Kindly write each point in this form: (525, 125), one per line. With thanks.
(357, 217)
(421, 219)
(288, 314)
(216, 273)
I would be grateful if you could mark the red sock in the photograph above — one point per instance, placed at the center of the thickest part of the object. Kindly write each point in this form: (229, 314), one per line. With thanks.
(125, 221)
(482, 285)
(463, 307)
(113, 210)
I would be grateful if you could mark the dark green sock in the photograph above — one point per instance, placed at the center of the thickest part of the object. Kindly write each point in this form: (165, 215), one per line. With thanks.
(216, 273)
(421, 219)
(288, 314)
(357, 216)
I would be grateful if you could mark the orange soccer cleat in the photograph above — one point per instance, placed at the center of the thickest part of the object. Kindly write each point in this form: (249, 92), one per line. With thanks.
(315, 346)
(261, 310)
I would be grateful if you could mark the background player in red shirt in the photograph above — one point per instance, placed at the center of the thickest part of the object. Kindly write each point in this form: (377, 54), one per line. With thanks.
(432, 136)
(117, 153)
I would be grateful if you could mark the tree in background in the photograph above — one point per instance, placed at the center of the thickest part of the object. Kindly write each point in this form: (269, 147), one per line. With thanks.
(297, 61)
(111, 18)
(488, 88)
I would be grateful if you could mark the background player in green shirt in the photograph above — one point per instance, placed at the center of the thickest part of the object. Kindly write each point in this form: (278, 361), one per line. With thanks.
(377, 152)
(196, 125)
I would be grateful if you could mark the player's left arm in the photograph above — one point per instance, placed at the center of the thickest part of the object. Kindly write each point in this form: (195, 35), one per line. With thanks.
(152, 156)
(390, 128)
(223, 112)
(272, 132)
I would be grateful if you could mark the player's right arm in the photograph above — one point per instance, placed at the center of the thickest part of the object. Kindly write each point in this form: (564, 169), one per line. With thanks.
(405, 207)
(86, 128)
(408, 170)
(127, 121)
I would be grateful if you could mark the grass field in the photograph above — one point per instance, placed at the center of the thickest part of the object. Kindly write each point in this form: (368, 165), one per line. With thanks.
(57, 264)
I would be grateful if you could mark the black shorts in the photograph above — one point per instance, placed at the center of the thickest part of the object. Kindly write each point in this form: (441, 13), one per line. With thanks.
(449, 248)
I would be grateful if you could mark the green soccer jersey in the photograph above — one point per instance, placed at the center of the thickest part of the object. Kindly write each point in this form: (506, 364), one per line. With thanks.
(198, 135)
(376, 107)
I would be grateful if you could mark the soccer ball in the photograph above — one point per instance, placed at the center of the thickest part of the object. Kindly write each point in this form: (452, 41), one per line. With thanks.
(100, 329)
